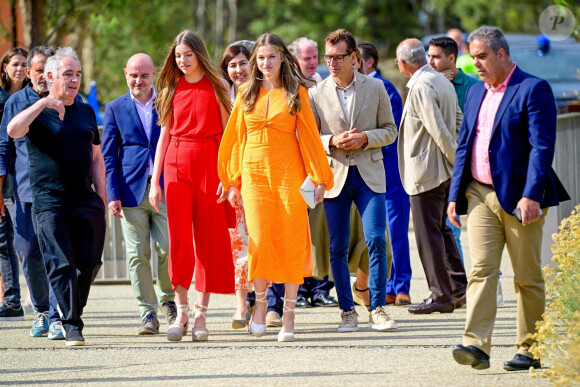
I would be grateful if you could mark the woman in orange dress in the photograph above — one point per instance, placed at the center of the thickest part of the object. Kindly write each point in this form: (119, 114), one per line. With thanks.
(271, 144)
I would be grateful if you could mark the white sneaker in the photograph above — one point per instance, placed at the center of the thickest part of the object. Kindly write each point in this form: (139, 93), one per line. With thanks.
(349, 321)
(500, 300)
(380, 320)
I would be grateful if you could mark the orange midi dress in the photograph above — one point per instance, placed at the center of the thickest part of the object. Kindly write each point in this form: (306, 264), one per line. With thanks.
(268, 153)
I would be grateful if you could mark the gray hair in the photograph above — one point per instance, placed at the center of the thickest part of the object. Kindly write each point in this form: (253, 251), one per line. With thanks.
(493, 36)
(44, 51)
(53, 62)
(412, 52)
(246, 43)
(294, 48)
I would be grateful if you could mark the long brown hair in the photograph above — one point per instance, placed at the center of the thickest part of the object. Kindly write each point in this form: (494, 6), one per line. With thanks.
(291, 77)
(8, 55)
(170, 74)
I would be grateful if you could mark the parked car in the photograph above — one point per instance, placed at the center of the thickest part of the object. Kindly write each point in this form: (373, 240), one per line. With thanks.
(559, 64)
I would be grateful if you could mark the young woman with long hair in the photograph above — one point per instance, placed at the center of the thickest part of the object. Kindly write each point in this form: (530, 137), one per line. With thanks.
(271, 144)
(193, 106)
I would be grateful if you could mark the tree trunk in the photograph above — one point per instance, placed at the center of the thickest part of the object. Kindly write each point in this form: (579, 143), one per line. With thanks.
(219, 28)
(233, 8)
(200, 17)
(33, 20)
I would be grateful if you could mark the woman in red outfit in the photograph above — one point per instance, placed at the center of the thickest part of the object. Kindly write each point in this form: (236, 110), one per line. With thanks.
(193, 106)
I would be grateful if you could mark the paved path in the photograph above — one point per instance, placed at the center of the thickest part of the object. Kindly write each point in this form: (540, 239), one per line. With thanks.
(418, 353)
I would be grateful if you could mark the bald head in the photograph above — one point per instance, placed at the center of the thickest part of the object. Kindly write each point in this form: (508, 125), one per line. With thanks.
(411, 56)
(457, 35)
(140, 73)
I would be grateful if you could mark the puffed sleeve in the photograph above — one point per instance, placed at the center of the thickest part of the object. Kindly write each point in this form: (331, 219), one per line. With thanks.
(311, 148)
(231, 150)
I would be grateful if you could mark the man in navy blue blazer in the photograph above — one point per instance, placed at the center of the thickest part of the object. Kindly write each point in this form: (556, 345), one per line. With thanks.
(397, 200)
(502, 169)
(130, 134)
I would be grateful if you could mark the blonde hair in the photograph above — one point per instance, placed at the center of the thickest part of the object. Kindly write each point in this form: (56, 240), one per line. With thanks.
(291, 77)
(170, 74)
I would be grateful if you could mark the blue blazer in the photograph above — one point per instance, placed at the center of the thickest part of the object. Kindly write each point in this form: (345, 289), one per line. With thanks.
(521, 148)
(390, 158)
(127, 151)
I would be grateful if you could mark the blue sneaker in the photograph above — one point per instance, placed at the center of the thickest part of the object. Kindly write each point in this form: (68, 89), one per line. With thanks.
(55, 331)
(39, 325)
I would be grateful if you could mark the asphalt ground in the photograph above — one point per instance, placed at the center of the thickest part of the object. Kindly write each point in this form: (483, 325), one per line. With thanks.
(417, 354)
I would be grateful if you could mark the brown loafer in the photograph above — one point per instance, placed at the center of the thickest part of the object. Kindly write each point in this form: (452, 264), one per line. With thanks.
(391, 299)
(402, 299)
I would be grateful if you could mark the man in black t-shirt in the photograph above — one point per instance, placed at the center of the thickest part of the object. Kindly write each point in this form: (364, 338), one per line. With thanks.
(63, 144)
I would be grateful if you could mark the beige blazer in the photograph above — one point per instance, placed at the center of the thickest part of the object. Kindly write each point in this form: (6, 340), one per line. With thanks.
(371, 114)
(428, 135)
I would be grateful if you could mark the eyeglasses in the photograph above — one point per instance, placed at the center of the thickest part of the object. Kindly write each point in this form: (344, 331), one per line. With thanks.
(337, 57)
(396, 61)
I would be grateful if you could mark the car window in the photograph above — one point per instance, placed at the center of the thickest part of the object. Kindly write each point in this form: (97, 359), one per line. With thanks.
(559, 65)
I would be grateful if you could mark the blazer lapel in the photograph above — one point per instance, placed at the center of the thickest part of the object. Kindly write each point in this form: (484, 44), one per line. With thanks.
(509, 94)
(333, 99)
(359, 98)
(154, 133)
(477, 97)
(130, 105)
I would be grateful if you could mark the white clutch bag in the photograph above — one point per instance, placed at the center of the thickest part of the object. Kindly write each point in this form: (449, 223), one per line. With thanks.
(307, 191)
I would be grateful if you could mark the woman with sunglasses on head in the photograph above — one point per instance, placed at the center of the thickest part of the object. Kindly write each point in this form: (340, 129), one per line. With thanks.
(271, 144)
(193, 106)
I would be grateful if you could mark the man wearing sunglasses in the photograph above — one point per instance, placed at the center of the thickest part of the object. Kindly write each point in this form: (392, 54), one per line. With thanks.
(353, 113)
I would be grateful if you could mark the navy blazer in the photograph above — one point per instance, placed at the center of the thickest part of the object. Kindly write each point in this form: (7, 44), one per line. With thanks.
(521, 148)
(127, 151)
(390, 158)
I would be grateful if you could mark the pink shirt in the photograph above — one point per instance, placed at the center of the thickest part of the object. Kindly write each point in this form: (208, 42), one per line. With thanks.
(480, 168)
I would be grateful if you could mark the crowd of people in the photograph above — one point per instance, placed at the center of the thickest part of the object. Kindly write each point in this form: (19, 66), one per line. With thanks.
(210, 161)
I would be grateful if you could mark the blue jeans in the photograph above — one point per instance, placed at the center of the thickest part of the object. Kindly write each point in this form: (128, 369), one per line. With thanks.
(274, 297)
(398, 207)
(371, 206)
(26, 244)
(8, 259)
(313, 288)
(456, 235)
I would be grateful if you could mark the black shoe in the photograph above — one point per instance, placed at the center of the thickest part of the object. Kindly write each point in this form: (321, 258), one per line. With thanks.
(74, 338)
(521, 363)
(9, 313)
(472, 356)
(302, 302)
(326, 301)
(430, 305)
(149, 325)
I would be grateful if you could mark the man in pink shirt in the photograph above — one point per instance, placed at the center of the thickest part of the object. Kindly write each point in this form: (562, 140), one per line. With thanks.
(503, 171)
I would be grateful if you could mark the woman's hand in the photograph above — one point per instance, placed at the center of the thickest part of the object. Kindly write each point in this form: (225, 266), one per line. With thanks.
(319, 193)
(234, 197)
(222, 193)
(155, 195)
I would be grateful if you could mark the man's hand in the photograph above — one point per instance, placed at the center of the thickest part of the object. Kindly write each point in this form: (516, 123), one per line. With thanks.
(452, 215)
(319, 193)
(234, 197)
(115, 208)
(55, 104)
(350, 140)
(221, 193)
(449, 74)
(530, 210)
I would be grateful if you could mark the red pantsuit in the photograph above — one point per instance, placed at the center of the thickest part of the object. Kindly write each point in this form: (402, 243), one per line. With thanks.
(198, 230)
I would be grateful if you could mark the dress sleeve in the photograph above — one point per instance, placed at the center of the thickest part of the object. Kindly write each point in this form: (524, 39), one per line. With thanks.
(311, 148)
(231, 152)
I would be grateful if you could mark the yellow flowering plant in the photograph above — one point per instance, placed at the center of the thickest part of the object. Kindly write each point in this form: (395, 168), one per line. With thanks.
(558, 333)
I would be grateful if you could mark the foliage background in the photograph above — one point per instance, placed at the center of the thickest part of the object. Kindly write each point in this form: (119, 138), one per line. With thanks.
(107, 32)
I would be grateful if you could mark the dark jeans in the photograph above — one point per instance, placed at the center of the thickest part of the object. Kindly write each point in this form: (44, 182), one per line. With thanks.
(275, 294)
(313, 288)
(8, 259)
(371, 206)
(26, 244)
(71, 239)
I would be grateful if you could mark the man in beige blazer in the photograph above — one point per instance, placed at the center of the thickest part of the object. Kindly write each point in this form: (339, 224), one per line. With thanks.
(354, 116)
(427, 143)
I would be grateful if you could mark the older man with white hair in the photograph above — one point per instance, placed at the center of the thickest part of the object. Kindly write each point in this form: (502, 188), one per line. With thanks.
(63, 144)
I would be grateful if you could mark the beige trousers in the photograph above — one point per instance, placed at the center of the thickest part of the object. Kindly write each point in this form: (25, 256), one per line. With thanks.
(489, 229)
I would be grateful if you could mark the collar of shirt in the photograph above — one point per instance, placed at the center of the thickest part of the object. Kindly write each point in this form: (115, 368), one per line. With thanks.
(459, 78)
(153, 96)
(349, 85)
(502, 85)
(416, 75)
(372, 75)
